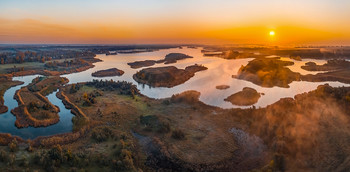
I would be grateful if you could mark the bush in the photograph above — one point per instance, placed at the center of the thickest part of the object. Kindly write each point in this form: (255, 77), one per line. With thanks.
(13, 145)
(101, 134)
(46, 106)
(24, 162)
(149, 120)
(90, 98)
(11, 159)
(178, 134)
(3, 156)
(56, 153)
(166, 102)
(124, 162)
(33, 106)
(78, 123)
(122, 87)
(164, 128)
(29, 148)
(74, 88)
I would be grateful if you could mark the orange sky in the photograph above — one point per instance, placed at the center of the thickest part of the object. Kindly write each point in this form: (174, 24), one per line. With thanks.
(182, 21)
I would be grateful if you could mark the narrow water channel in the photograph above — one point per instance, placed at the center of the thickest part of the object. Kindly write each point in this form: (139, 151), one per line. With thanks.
(7, 120)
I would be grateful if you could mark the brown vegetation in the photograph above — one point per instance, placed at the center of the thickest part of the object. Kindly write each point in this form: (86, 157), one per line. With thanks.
(187, 135)
(145, 63)
(268, 72)
(174, 57)
(34, 109)
(222, 87)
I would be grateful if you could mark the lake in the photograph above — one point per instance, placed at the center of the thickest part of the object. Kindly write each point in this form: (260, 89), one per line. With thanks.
(219, 72)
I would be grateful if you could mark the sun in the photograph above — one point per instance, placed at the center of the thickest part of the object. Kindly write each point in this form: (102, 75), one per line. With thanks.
(272, 33)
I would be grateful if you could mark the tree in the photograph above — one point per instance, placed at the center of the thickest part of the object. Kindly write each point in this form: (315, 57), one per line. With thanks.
(21, 60)
(13, 145)
(73, 89)
(17, 59)
(178, 134)
(56, 153)
(85, 96)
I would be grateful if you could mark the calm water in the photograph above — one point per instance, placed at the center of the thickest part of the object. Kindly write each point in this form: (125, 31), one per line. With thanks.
(219, 72)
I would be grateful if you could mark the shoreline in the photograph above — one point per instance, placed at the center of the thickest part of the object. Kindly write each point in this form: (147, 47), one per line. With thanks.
(3, 108)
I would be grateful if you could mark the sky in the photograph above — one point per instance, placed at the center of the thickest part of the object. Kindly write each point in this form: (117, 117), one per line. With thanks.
(294, 22)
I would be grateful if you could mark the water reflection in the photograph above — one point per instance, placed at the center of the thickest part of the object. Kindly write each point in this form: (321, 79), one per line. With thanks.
(219, 72)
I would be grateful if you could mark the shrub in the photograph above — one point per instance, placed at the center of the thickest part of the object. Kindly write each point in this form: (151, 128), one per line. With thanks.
(149, 120)
(78, 123)
(24, 162)
(74, 88)
(166, 102)
(164, 128)
(56, 153)
(101, 134)
(99, 112)
(125, 162)
(178, 134)
(33, 106)
(46, 106)
(37, 158)
(3, 156)
(30, 148)
(11, 159)
(13, 145)
(89, 99)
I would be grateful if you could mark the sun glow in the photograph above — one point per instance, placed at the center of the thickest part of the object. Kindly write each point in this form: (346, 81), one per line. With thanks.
(272, 33)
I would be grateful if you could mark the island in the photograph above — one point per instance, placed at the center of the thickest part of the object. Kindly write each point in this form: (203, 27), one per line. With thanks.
(108, 72)
(231, 54)
(169, 58)
(144, 63)
(169, 76)
(268, 72)
(34, 109)
(248, 96)
(222, 87)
